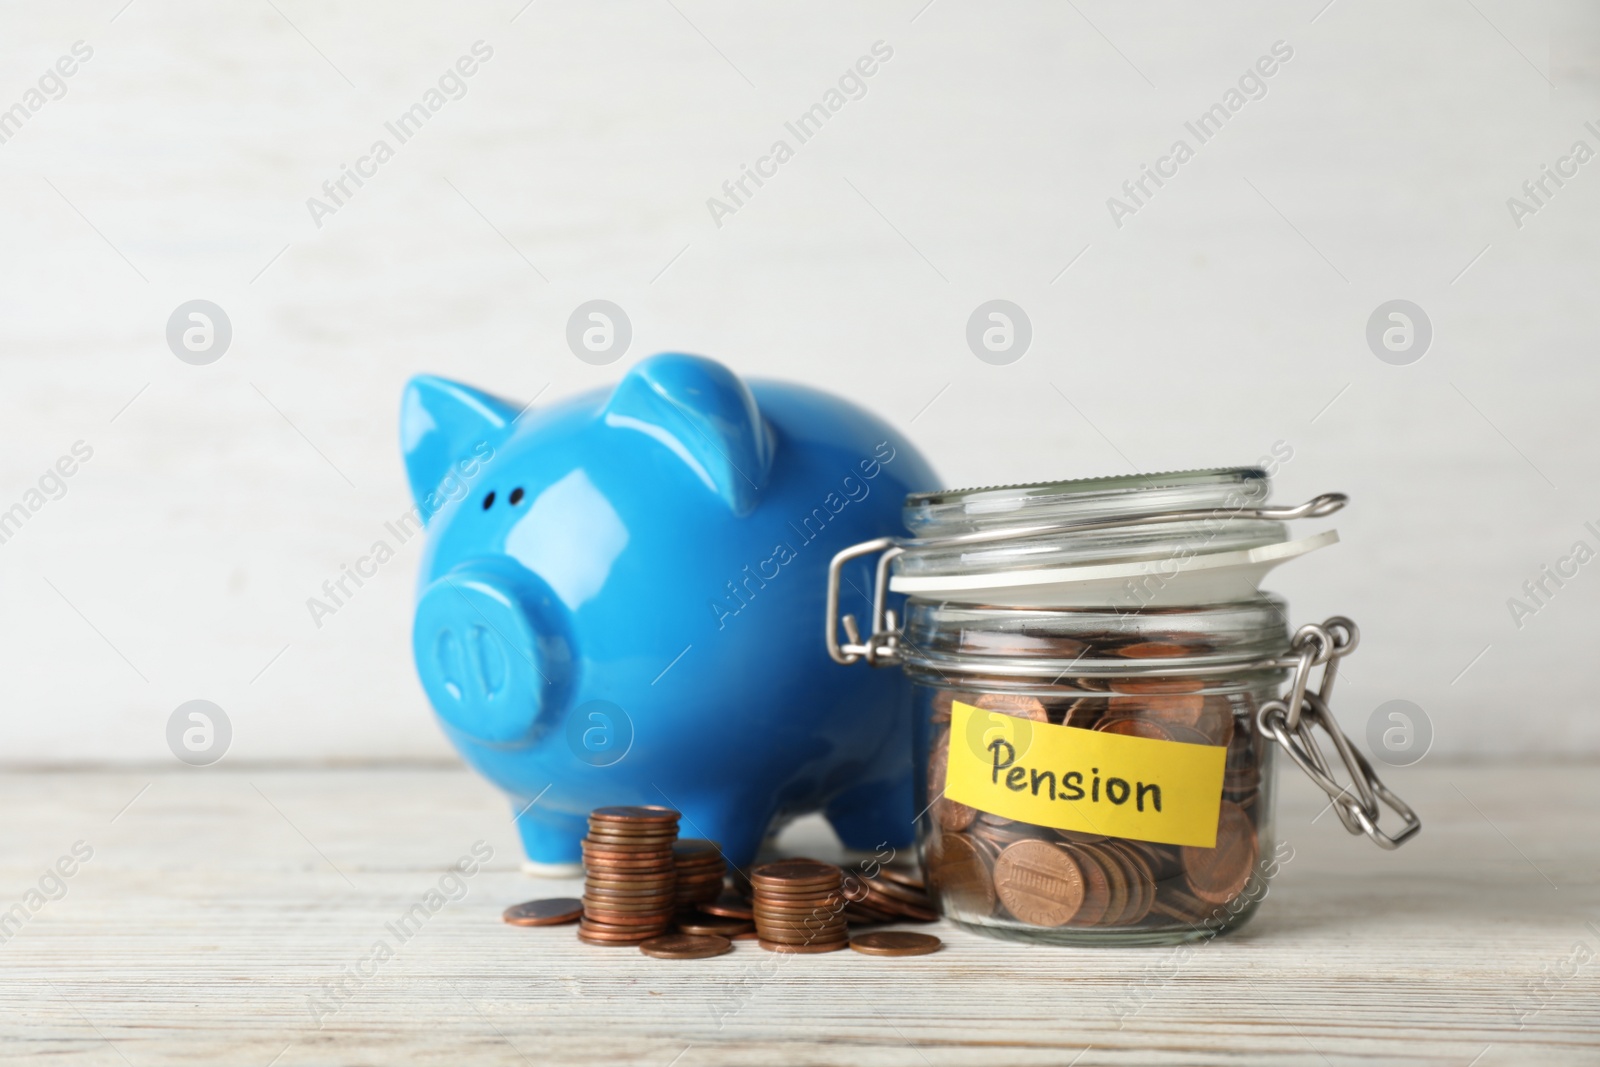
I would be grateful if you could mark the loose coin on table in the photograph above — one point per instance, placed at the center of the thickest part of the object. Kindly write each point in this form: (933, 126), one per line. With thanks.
(552, 912)
(685, 946)
(895, 943)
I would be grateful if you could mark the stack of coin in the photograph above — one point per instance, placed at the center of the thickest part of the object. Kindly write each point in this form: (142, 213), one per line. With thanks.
(700, 869)
(893, 895)
(799, 906)
(630, 875)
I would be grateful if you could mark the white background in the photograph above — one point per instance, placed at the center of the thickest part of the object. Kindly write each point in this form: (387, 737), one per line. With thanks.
(1228, 314)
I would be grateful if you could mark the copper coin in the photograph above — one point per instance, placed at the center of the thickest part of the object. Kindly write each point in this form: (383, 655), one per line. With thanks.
(789, 934)
(604, 932)
(1132, 727)
(902, 876)
(958, 872)
(778, 946)
(1160, 685)
(552, 912)
(712, 924)
(631, 840)
(1085, 713)
(796, 874)
(605, 919)
(884, 887)
(627, 893)
(610, 942)
(603, 911)
(1182, 708)
(729, 905)
(1217, 875)
(629, 867)
(799, 922)
(942, 705)
(799, 896)
(1096, 891)
(864, 914)
(1132, 894)
(652, 813)
(951, 814)
(895, 943)
(1117, 887)
(1014, 705)
(686, 946)
(624, 891)
(1216, 721)
(1039, 883)
(686, 848)
(748, 935)
(629, 903)
(1143, 880)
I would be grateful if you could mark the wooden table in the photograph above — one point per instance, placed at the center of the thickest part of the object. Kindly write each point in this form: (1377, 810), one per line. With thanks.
(234, 916)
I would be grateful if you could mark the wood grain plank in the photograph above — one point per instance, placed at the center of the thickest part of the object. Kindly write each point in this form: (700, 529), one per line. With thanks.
(221, 910)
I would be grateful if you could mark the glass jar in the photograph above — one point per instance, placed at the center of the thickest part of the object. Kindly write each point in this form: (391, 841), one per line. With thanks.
(1097, 684)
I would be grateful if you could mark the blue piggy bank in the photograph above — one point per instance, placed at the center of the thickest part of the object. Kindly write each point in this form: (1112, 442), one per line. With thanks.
(621, 602)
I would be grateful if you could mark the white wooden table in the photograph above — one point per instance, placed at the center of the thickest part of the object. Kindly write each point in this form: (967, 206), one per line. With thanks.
(220, 906)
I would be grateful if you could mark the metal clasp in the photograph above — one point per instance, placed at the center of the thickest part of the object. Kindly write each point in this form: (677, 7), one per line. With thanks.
(882, 646)
(1293, 723)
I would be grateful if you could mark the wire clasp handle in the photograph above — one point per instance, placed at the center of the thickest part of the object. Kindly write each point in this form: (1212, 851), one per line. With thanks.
(1293, 724)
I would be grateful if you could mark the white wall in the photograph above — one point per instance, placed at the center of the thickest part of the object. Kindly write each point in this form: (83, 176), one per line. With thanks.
(1227, 314)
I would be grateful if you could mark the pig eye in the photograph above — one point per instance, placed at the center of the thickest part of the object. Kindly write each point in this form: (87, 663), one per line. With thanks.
(488, 500)
(516, 495)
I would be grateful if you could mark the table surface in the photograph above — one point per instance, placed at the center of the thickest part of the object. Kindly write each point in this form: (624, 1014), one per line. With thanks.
(255, 916)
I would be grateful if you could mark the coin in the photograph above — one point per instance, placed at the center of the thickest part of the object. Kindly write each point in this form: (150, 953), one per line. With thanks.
(1097, 888)
(1217, 875)
(1039, 883)
(957, 871)
(552, 912)
(902, 876)
(712, 924)
(1014, 705)
(1117, 876)
(796, 874)
(685, 946)
(1132, 727)
(951, 814)
(646, 813)
(806, 947)
(895, 943)
(729, 905)
(1143, 881)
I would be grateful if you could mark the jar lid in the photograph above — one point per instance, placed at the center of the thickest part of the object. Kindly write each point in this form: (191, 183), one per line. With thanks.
(1128, 541)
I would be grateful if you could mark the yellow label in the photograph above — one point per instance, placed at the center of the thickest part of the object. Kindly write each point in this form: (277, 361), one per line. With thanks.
(1087, 780)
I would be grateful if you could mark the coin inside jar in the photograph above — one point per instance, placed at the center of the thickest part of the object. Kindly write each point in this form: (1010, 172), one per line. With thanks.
(958, 871)
(1217, 875)
(1039, 883)
(952, 815)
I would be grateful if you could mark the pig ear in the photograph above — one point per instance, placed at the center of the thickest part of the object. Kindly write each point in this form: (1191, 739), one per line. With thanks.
(443, 422)
(705, 416)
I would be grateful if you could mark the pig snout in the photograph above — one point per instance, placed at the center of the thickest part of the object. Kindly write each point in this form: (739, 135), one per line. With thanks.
(492, 650)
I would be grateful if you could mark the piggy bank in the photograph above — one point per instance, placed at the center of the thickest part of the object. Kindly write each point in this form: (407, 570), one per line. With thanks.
(621, 602)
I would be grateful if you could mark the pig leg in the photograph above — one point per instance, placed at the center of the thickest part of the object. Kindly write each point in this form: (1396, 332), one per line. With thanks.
(550, 839)
(875, 815)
